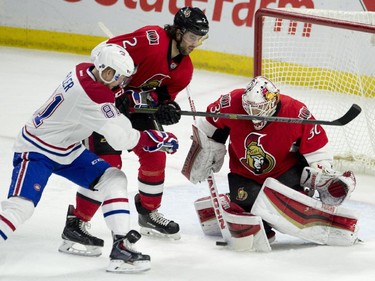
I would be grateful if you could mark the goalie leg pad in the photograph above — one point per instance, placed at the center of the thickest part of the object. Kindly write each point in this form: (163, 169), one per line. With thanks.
(298, 215)
(247, 231)
(206, 214)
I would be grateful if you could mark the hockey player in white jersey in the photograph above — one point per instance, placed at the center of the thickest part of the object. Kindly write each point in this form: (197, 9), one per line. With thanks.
(50, 142)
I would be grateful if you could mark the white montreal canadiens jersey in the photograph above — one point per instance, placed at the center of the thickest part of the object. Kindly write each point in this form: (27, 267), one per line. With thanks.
(77, 108)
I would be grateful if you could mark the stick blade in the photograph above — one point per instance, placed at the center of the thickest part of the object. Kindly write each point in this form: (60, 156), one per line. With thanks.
(350, 115)
(221, 243)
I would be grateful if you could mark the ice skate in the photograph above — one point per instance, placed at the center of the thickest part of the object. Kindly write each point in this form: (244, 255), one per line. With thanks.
(154, 224)
(77, 240)
(124, 258)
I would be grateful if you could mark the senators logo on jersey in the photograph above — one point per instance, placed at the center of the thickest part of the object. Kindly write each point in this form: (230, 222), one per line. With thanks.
(154, 81)
(256, 159)
(241, 194)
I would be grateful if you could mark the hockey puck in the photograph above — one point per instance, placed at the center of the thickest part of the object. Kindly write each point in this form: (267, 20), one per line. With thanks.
(221, 243)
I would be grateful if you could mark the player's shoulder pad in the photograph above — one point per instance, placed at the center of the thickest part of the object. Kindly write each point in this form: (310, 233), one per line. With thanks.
(96, 91)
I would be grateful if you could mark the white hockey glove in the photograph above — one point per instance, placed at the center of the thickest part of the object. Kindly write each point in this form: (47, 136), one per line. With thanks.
(205, 155)
(333, 187)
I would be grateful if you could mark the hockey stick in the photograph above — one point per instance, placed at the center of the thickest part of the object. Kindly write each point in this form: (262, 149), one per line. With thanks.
(105, 29)
(214, 194)
(351, 114)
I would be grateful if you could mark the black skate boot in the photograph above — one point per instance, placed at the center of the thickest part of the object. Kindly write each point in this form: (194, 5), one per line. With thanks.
(154, 224)
(77, 240)
(124, 258)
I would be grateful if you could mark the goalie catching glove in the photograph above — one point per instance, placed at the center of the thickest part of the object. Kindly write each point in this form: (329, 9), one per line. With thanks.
(333, 187)
(153, 140)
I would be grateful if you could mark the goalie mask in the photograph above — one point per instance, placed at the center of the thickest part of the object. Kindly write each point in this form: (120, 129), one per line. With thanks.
(260, 99)
(117, 58)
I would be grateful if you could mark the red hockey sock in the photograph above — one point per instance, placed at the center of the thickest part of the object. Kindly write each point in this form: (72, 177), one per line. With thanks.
(85, 207)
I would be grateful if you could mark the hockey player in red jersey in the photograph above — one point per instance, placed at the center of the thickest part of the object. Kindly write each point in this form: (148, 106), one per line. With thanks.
(163, 69)
(297, 155)
(50, 142)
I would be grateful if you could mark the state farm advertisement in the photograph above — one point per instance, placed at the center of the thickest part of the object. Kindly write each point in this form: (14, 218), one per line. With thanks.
(231, 21)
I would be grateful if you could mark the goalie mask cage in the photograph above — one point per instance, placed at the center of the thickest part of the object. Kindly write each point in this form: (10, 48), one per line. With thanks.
(327, 60)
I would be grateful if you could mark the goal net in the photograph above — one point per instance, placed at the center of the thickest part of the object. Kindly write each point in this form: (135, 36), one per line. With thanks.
(327, 60)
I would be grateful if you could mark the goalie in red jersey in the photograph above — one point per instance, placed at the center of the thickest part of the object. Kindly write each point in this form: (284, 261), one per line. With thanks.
(163, 69)
(297, 156)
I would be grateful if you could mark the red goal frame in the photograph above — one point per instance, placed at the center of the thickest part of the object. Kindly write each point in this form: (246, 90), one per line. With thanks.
(288, 15)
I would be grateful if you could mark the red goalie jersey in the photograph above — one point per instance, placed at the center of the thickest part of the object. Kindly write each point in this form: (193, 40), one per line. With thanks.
(258, 154)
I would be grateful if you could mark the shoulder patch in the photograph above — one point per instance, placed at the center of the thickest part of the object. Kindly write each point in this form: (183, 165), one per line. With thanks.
(153, 37)
(304, 113)
(225, 100)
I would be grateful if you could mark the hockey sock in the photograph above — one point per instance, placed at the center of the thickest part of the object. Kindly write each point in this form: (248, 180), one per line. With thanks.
(85, 207)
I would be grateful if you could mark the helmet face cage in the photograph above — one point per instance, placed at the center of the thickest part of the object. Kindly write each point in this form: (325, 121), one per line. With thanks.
(193, 20)
(260, 97)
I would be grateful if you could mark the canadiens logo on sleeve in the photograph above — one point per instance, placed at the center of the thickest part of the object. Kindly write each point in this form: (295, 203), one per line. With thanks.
(256, 159)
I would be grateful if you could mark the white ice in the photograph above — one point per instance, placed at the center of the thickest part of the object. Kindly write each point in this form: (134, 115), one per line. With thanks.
(28, 77)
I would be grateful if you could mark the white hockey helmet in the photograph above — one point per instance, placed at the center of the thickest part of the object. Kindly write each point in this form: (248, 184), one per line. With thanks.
(260, 99)
(117, 58)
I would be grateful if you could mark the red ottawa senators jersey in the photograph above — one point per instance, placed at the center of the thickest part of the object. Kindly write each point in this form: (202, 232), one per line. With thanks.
(269, 152)
(149, 48)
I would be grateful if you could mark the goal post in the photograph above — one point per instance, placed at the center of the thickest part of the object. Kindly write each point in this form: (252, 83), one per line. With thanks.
(325, 59)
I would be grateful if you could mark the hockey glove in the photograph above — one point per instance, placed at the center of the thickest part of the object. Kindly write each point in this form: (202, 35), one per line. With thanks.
(142, 99)
(168, 113)
(159, 140)
(122, 104)
(333, 187)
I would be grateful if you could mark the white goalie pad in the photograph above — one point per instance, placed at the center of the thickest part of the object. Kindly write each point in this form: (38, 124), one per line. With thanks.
(246, 230)
(298, 215)
(204, 156)
(206, 214)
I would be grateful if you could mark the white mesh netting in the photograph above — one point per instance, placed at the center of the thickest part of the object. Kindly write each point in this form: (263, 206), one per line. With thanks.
(329, 69)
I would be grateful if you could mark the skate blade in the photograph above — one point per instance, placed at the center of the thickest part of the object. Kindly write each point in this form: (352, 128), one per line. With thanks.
(119, 266)
(73, 248)
(156, 234)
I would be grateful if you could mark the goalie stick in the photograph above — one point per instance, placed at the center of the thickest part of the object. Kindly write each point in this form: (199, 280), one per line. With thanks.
(240, 231)
(214, 194)
(351, 114)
